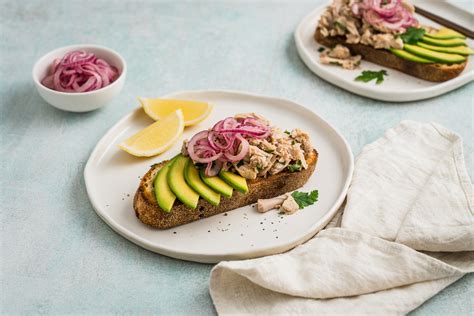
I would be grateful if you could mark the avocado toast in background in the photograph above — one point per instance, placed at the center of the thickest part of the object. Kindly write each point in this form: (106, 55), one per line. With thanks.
(240, 160)
(388, 34)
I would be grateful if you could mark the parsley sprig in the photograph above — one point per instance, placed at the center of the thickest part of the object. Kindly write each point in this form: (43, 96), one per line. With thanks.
(304, 199)
(368, 75)
(295, 166)
(412, 35)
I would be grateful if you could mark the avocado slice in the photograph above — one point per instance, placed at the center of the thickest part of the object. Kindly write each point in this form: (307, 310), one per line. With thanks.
(461, 50)
(444, 42)
(217, 184)
(445, 33)
(178, 184)
(439, 57)
(164, 196)
(409, 56)
(237, 182)
(191, 174)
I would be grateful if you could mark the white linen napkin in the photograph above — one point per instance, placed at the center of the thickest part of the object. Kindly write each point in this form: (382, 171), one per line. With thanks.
(405, 234)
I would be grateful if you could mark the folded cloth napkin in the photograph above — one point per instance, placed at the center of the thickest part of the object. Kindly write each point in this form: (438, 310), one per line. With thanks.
(405, 234)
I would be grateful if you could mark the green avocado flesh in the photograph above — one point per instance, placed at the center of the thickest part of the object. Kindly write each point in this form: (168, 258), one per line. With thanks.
(191, 174)
(445, 33)
(444, 42)
(409, 56)
(461, 50)
(178, 184)
(237, 182)
(164, 196)
(435, 56)
(217, 184)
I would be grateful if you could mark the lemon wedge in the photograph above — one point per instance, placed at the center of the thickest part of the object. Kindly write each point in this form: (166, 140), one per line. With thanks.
(157, 137)
(193, 111)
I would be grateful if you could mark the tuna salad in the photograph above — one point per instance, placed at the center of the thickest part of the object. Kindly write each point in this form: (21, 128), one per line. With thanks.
(370, 22)
(285, 203)
(249, 145)
(340, 55)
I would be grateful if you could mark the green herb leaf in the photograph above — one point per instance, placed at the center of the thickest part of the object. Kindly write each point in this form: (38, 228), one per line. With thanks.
(368, 75)
(412, 35)
(321, 49)
(287, 132)
(340, 25)
(305, 199)
(295, 167)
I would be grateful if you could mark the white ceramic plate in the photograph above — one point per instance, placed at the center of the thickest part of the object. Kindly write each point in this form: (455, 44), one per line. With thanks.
(112, 176)
(397, 86)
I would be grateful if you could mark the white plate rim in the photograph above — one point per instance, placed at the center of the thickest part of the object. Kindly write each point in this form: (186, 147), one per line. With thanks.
(204, 258)
(378, 93)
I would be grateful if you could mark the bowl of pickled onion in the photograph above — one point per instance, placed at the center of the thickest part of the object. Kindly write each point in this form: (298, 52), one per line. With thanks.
(80, 78)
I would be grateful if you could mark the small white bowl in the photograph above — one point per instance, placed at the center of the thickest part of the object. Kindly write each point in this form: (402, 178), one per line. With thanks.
(81, 101)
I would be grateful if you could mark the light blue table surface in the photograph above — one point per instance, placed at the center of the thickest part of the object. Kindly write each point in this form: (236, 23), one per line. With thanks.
(57, 255)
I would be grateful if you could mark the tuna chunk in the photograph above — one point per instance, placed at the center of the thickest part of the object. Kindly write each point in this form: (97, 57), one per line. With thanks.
(285, 202)
(289, 206)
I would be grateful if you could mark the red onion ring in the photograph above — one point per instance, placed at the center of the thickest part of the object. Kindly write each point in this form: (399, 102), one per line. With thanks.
(79, 71)
(213, 169)
(225, 142)
(392, 15)
(244, 148)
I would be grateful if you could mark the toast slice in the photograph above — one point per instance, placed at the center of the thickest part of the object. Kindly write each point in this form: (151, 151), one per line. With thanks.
(147, 209)
(429, 72)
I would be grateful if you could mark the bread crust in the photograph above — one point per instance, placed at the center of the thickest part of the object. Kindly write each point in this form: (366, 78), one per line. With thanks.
(148, 211)
(429, 72)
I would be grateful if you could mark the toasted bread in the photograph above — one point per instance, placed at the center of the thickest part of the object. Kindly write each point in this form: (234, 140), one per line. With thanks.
(429, 72)
(148, 211)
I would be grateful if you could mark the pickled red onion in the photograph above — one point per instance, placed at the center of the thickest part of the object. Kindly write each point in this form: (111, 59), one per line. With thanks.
(79, 71)
(225, 142)
(389, 14)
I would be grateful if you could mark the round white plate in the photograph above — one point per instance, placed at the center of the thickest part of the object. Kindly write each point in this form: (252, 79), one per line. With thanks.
(112, 177)
(397, 86)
